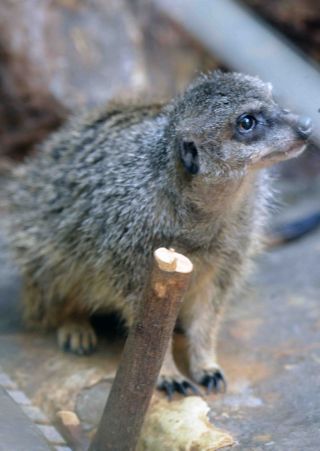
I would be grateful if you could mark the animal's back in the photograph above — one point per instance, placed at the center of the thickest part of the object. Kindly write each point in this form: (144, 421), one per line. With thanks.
(79, 213)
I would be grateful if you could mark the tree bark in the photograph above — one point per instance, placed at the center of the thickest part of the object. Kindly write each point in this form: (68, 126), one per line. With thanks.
(143, 353)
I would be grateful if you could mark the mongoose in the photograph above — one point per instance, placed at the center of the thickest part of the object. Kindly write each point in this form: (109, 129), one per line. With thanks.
(87, 212)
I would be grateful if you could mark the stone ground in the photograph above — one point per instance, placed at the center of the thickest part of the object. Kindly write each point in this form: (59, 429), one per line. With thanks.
(269, 348)
(271, 353)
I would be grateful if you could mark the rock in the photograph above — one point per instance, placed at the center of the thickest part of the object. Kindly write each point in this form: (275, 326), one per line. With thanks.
(63, 55)
(169, 426)
(90, 403)
(58, 56)
(181, 425)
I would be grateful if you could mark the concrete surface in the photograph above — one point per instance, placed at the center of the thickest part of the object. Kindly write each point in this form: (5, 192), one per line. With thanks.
(269, 349)
(271, 354)
(12, 419)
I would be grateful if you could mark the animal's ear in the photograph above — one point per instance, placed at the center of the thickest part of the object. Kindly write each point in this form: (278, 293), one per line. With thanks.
(189, 156)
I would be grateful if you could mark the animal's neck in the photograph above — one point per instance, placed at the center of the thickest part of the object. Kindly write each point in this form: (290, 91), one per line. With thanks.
(221, 198)
(223, 207)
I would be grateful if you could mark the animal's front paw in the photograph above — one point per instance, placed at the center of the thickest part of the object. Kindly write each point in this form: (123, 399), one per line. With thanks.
(77, 337)
(214, 380)
(176, 384)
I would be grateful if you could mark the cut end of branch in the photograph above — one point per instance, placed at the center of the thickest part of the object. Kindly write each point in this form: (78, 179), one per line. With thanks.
(171, 261)
(68, 418)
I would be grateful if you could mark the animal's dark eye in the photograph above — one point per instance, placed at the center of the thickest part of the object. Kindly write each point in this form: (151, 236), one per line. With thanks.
(246, 123)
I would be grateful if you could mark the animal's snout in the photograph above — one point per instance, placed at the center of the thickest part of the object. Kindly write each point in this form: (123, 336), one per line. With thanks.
(304, 126)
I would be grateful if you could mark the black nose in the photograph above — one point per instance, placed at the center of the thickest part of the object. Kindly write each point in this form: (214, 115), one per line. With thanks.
(304, 126)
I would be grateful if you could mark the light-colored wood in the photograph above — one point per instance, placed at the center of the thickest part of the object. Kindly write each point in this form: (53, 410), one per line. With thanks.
(71, 428)
(169, 260)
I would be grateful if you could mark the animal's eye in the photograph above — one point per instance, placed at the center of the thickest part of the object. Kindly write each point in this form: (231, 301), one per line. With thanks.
(246, 123)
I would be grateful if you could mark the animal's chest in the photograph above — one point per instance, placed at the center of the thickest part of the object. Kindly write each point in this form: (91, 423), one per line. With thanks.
(206, 269)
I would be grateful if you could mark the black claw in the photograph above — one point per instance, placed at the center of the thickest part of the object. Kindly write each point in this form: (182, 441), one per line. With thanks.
(80, 351)
(221, 382)
(91, 349)
(85, 351)
(181, 387)
(189, 386)
(168, 388)
(214, 382)
(66, 344)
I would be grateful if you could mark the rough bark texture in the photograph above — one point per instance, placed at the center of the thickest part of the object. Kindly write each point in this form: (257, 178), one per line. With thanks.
(142, 357)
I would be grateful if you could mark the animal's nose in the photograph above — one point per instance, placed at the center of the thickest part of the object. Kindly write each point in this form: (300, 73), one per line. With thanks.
(304, 126)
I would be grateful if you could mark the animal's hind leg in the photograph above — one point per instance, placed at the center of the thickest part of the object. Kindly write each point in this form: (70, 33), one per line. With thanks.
(36, 309)
(200, 317)
(171, 380)
(77, 335)
(45, 310)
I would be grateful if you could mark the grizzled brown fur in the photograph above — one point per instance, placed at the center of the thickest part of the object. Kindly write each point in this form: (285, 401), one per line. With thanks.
(85, 214)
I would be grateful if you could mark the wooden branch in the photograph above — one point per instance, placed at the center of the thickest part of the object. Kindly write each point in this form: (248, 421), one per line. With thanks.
(143, 353)
(71, 429)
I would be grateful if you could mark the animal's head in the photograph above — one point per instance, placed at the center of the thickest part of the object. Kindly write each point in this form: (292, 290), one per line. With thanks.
(228, 123)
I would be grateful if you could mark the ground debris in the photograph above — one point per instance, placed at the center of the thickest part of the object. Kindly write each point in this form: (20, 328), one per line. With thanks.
(181, 424)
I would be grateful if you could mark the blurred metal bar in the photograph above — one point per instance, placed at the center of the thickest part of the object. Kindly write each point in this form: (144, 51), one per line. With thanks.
(243, 42)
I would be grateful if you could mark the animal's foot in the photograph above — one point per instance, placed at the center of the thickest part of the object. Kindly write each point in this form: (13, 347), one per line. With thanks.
(214, 380)
(77, 337)
(176, 384)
